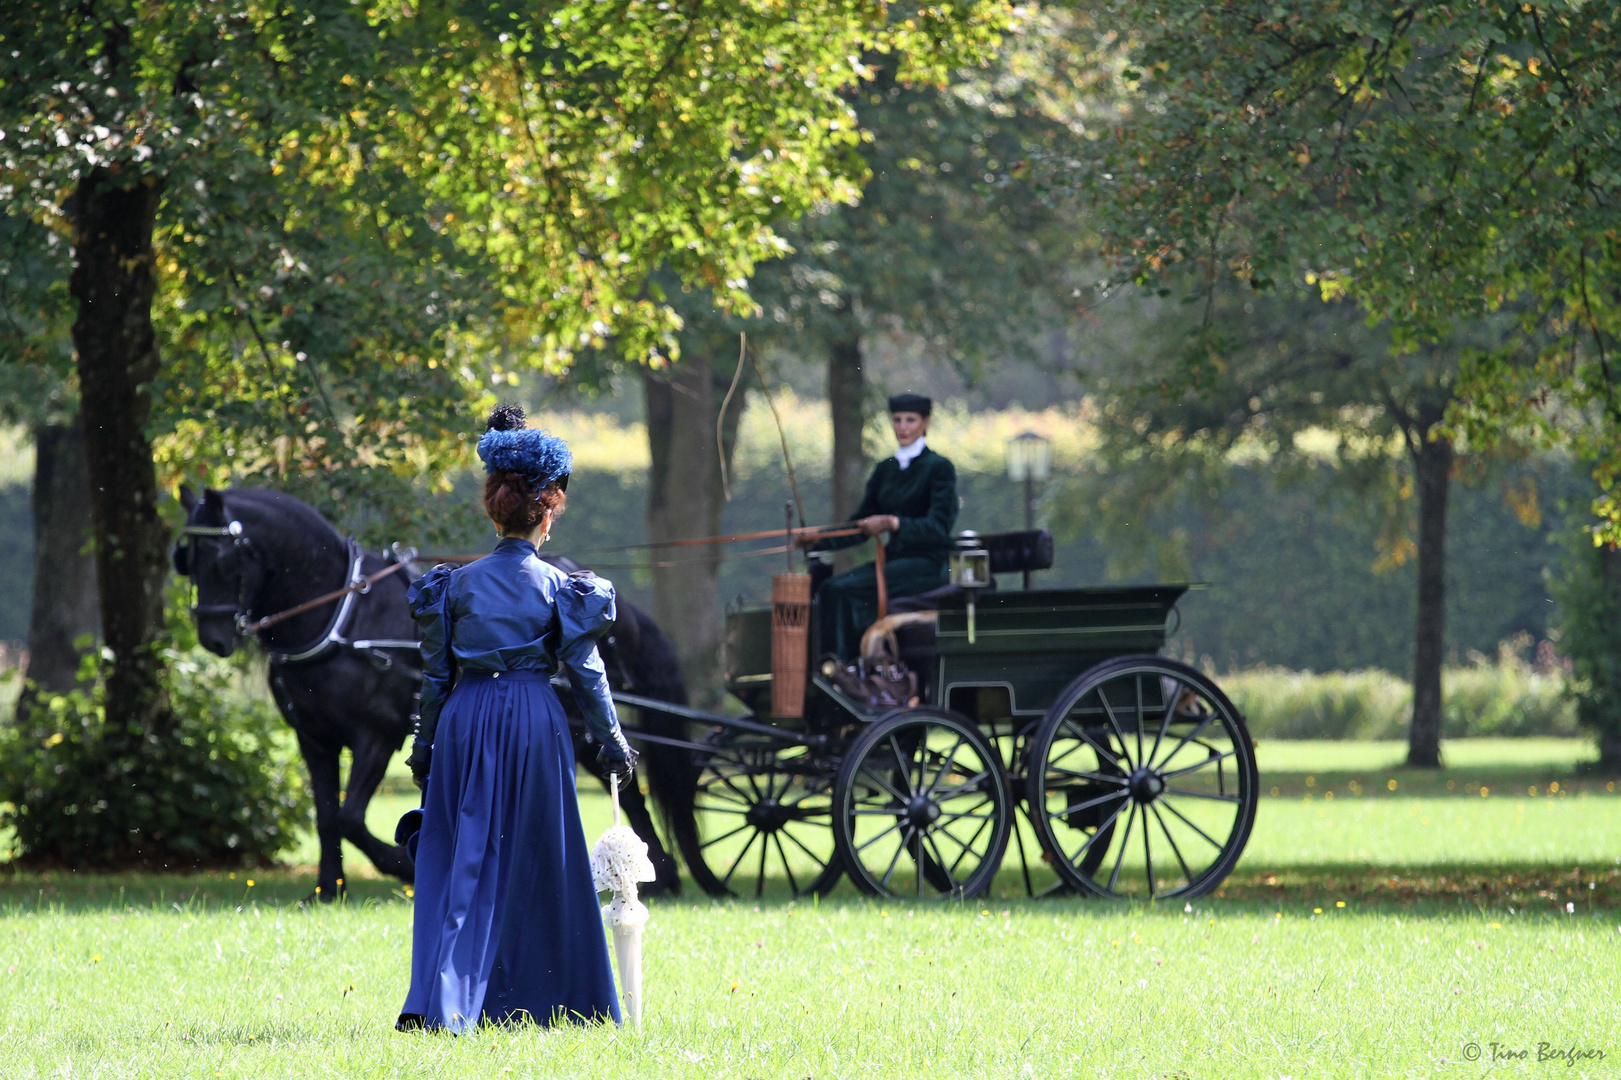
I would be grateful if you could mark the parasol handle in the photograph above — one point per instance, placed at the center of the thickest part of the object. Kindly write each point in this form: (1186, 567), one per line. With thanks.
(613, 788)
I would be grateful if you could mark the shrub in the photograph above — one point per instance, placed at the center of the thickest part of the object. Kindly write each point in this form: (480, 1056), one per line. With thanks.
(217, 789)
(1282, 704)
(1588, 594)
(1508, 698)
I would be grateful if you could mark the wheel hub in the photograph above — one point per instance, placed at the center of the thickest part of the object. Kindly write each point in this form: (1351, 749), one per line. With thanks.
(768, 815)
(922, 812)
(1145, 784)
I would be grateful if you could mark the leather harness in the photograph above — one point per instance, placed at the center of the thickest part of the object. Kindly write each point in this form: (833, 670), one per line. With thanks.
(333, 636)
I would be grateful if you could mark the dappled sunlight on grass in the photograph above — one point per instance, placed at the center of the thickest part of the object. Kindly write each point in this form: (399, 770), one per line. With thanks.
(843, 988)
(1371, 935)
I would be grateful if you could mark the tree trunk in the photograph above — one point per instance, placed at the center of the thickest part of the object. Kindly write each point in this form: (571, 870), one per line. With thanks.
(117, 354)
(1432, 466)
(685, 499)
(64, 603)
(1609, 734)
(847, 400)
(1609, 753)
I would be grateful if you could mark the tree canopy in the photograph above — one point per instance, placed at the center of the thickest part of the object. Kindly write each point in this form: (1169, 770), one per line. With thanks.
(950, 241)
(1437, 163)
(307, 236)
(372, 214)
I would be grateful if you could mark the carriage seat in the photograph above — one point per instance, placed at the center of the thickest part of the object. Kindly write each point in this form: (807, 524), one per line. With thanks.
(1011, 553)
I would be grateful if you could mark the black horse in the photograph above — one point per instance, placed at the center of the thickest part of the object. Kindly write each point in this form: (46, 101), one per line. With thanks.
(347, 673)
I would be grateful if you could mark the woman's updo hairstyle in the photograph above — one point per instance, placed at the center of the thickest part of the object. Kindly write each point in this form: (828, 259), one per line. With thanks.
(527, 472)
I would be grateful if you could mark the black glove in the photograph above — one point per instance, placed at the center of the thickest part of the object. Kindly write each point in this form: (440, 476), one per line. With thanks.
(421, 757)
(617, 761)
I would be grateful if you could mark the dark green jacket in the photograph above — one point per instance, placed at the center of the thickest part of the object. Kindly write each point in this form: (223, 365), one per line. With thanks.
(923, 495)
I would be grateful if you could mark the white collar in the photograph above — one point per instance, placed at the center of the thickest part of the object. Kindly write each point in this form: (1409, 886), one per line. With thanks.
(905, 454)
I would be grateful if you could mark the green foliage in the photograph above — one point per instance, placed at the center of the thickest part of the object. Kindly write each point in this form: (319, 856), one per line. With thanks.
(1588, 594)
(372, 215)
(951, 241)
(1299, 572)
(591, 147)
(1439, 164)
(1297, 383)
(218, 788)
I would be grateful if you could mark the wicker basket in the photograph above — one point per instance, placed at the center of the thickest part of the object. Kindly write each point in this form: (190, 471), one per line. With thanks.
(790, 650)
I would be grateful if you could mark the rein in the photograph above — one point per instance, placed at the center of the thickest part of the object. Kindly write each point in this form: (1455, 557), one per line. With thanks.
(819, 531)
(362, 587)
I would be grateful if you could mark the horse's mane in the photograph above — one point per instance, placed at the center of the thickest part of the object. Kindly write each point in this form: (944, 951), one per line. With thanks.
(287, 509)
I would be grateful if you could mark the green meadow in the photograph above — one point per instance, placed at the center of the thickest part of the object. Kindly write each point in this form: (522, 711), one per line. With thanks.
(1393, 929)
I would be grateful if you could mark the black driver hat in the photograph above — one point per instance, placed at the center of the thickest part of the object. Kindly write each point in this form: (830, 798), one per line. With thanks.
(910, 403)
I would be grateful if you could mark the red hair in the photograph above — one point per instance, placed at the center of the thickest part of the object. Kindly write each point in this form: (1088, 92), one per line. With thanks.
(515, 506)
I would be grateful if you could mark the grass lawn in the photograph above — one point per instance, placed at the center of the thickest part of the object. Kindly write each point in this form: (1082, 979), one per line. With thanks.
(1454, 931)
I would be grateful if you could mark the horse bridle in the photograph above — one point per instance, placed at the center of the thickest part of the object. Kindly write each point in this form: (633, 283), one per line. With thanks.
(239, 540)
(356, 584)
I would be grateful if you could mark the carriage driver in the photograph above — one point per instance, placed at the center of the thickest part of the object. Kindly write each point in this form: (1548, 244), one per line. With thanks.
(912, 497)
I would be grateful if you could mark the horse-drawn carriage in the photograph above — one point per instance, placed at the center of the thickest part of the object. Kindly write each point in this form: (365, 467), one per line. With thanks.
(1042, 719)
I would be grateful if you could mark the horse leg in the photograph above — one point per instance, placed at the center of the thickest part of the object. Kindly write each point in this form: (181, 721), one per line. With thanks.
(640, 818)
(637, 816)
(368, 762)
(322, 761)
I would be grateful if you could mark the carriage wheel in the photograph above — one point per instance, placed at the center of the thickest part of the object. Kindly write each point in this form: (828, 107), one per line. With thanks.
(1141, 781)
(922, 807)
(763, 810)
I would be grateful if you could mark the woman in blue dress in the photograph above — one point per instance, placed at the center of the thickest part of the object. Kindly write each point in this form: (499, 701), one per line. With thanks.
(507, 926)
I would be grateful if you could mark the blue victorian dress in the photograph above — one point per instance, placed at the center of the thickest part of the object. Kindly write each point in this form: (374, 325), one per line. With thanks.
(507, 925)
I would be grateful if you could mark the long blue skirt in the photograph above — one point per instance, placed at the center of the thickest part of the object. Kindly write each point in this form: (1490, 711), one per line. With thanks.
(507, 925)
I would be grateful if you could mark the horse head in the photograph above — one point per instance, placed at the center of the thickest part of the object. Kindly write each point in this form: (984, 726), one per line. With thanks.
(224, 566)
(250, 553)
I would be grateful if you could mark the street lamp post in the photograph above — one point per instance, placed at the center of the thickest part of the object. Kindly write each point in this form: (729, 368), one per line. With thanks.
(1029, 459)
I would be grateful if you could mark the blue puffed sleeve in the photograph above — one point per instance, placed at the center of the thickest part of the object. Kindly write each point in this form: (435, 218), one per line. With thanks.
(429, 601)
(585, 611)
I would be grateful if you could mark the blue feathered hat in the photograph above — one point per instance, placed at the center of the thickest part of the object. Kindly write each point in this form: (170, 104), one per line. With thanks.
(511, 445)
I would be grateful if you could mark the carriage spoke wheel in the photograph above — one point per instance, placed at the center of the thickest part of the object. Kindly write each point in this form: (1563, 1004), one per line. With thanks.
(1141, 781)
(763, 809)
(922, 807)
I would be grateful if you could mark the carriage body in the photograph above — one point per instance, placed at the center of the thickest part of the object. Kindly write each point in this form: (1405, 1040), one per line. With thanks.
(1055, 727)
(1029, 646)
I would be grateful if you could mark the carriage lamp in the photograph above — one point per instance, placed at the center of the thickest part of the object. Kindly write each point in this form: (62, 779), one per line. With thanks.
(1029, 461)
(971, 572)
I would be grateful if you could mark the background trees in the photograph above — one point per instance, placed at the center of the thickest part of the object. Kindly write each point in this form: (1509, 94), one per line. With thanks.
(950, 245)
(364, 225)
(37, 392)
(1303, 385)
(346, 222)
(1437, 163)
(1429, 163)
